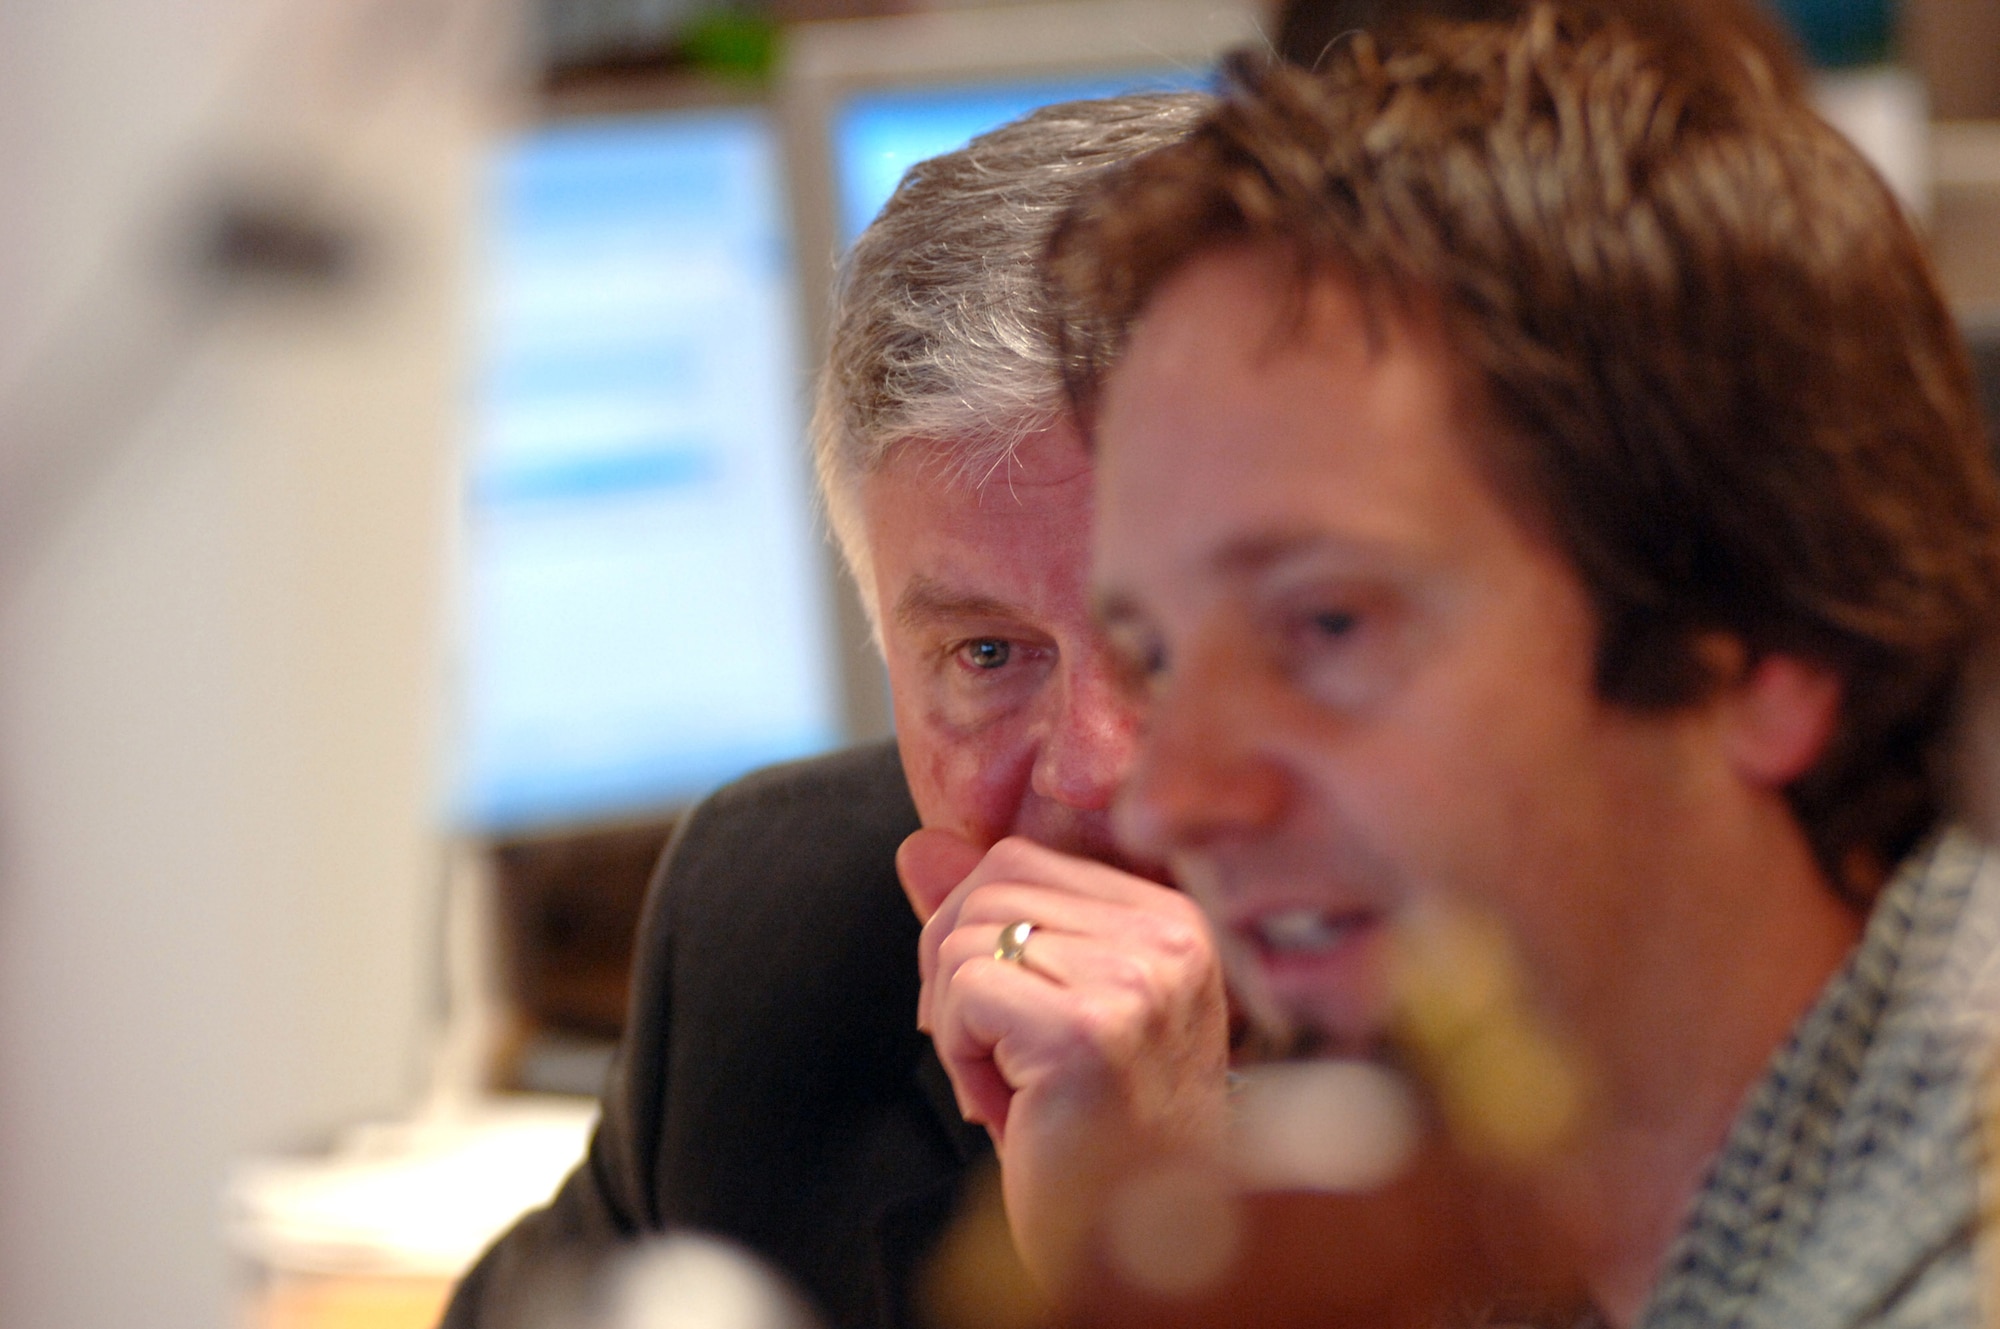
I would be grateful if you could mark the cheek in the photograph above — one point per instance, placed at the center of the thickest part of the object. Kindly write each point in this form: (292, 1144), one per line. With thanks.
(1440, 797)
(1512, 821)
(970, 783)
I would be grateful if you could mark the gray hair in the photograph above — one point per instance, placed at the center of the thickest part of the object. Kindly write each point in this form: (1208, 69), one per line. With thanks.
(941, 334)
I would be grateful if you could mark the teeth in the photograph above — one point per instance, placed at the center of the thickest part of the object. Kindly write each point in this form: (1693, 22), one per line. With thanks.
(1298, 931)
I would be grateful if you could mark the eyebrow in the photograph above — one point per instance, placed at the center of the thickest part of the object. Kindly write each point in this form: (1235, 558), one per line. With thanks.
(1246, 556)
(1240, 558)
(924, 600)
(1253, 554)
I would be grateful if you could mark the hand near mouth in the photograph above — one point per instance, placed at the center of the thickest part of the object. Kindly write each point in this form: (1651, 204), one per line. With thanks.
(1100, 1045)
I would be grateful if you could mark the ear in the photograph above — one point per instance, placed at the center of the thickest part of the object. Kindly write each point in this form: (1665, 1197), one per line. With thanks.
(1781, 715)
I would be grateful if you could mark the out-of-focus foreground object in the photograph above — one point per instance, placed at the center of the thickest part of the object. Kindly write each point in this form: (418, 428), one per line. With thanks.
(230, 307)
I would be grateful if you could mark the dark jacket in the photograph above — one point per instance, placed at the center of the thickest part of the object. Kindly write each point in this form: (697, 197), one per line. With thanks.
(772, 1087)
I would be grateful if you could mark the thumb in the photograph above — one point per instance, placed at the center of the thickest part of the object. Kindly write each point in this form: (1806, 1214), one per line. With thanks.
(931, 863)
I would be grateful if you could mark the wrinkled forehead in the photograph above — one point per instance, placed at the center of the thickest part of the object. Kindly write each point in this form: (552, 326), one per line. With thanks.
(1029, 453)
(1000, 488)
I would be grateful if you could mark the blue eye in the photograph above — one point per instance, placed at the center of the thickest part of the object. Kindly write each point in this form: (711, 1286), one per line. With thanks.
(987, 652)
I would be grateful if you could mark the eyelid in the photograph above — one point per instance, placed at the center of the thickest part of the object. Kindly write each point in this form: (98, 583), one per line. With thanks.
(1305, 597)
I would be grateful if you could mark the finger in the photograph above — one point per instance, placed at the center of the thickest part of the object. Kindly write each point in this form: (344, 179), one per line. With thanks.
(1047, 887)
(947, 952)
(1067, 990)
(1165, 924)
(1164, 956)
(931, 863)
(969, 944)
(1066, 960)
(1018, 880)
(998, 1014)
(994, 1029)
(982, 1093)
(1017, 858)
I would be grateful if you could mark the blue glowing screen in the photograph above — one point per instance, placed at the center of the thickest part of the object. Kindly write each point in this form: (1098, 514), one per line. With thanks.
(879, 135)
(642, 613)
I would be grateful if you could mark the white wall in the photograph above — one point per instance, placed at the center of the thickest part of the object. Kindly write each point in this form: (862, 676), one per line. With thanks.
(222, 526)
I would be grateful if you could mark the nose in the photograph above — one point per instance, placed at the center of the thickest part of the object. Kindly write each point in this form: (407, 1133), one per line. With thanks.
(1207, 769)
(1089, 736)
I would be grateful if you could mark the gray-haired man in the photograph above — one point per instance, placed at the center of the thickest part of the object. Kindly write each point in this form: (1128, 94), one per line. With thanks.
(773, 1087)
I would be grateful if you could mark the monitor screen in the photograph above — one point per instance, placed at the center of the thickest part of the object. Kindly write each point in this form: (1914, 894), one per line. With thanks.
(879, 134)
(643, 608)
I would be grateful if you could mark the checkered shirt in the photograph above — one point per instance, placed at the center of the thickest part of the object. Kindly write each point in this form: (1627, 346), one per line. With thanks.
(1848, 1191)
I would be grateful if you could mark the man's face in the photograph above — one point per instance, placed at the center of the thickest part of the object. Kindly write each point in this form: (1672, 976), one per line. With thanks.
(1370, 685)
(1007, 712)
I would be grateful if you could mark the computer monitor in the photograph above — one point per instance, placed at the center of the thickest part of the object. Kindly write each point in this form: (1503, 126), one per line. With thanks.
(867, 99)
(643, 610)
(878, 135)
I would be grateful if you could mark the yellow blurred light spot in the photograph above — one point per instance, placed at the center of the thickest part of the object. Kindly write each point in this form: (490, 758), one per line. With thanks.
(1505, 1084)
(976, 1279)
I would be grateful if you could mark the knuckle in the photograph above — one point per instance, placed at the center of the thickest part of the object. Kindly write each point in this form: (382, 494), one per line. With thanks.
(1107, 1018)
(952, 956)
(949, 1039)
(1182, 934)
(1130, 973)
(988, 898)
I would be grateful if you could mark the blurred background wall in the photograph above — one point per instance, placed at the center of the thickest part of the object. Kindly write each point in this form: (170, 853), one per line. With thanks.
(231, 278)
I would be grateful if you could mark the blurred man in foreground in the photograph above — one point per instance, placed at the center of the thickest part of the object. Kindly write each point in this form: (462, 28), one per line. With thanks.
(1542, 499)
(773, 1087)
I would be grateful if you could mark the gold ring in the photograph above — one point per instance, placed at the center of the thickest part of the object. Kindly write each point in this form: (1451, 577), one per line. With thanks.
(1014, 941)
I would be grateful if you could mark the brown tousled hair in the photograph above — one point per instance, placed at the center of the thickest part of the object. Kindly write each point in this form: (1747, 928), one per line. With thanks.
(1307, 29)
(1727, 385)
